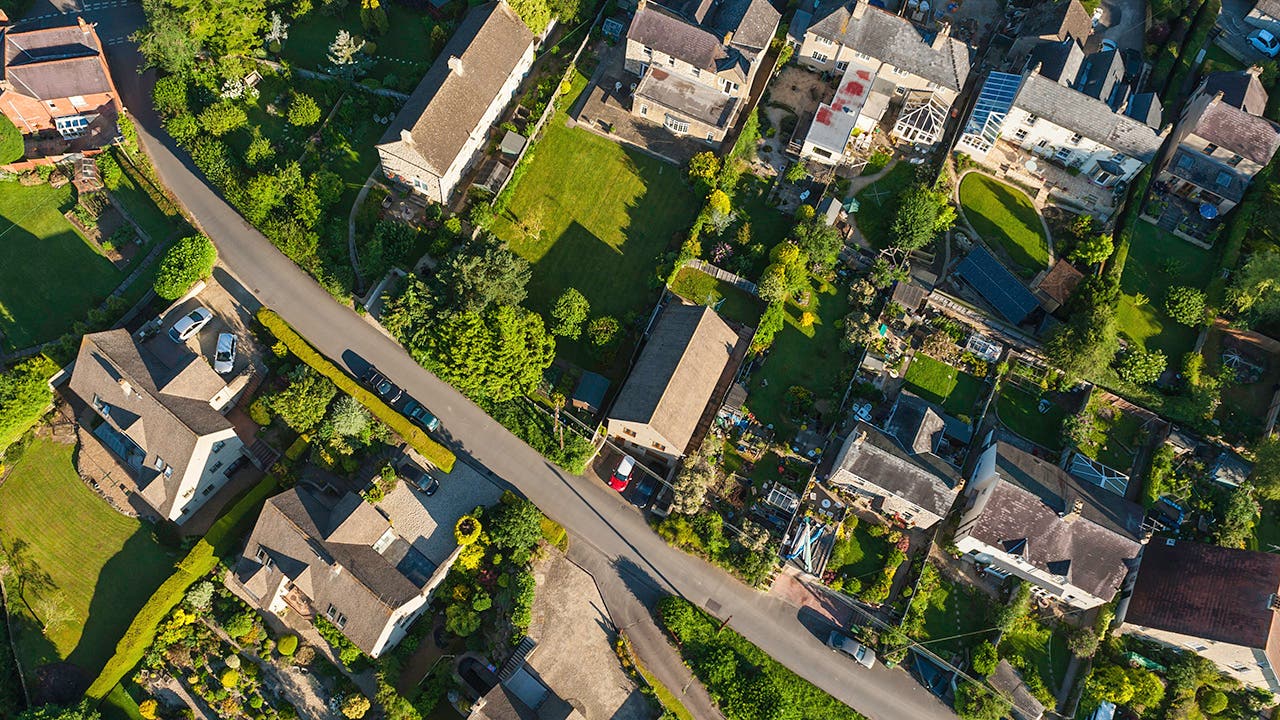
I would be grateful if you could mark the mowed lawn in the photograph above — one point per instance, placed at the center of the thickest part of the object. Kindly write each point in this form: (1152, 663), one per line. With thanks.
(1019, 410)
(1004, 216)
(1158, 261)
(731, 302)
(955, 390)
(50, 276)
(99, 565)
(878, 203)
(606, 213)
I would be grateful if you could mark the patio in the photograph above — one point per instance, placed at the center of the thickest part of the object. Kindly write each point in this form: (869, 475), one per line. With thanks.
(1048, 182)
(1180, 216)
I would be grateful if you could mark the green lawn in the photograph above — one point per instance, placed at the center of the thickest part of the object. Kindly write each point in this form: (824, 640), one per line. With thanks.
(858, 556)
(127, 190)
(769, 226)
(1222, 60)
(1019, 410)
(606, 213)
(1039, 647)
(404, 50)
(50, 276)
(954, 619)
(808, 357)
(955, 390)
(97, 564)
(699, 287)
(878, 202)
(1113, 437)
(1004, 216)
(1157, 261)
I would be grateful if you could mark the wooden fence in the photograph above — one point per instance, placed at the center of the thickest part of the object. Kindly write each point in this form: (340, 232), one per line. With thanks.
(722, 275)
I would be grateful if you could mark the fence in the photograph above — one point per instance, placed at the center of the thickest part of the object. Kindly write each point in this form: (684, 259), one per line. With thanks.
(722, 275)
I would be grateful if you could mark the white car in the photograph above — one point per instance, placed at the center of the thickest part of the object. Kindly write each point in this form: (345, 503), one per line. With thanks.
(190, 324)
(861, 654)
(224, 357)
(1264, 42)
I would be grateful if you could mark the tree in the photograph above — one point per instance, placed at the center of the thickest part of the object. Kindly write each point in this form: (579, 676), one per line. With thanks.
(796, 172)
(821, 242)
(1140, 366)
(978, 703)
(354, 706)
(1017, 608)
(690, 486)
(515, 524)
(288, 645)
(1092, 249)
(467, 530)
(703, 168)
(497, 355)
(1238, 518)
(303, 110)
(985, 658)
(200, 596)
(1212, 701)
(347, 56)
(373, 16)
(719, 210)
(81, 711)
(167, 43)
(188, 261)
(1266, 466)
(1186, 305)
(222, 117)
(147, 709)
(481, 273)
(603, 331)
(536, 14)
(1087, 340)
(1109, 683)
(773, 287)
(51, 610)
(461, 620)
(1255, 292)
(570, 312)
(349, 418)
(277, 33)
(303, 402)
(1082, 642)
(11, 145)
(1148, 690)
(922, 214)
(24, 395)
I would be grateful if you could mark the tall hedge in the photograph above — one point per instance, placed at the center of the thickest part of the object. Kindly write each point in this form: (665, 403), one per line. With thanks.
(190, 259)
(437, 454)
(11, 145)
(24, 395)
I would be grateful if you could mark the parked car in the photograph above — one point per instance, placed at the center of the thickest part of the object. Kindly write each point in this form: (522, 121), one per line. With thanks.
(644, 491)
(190, 324)
(1264, 42)
(224, 357)
(621, 476)
(421, 479)
(384, 388)
(419, 415)
(861, 654)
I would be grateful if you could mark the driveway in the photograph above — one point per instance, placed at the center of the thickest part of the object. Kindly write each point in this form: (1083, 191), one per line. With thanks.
(1123, 21)
(631, 564)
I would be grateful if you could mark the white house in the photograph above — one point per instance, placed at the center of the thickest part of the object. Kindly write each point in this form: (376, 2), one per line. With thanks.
(440, 132)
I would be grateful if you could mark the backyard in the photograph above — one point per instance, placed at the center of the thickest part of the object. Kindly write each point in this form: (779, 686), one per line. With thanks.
(1019, 411)
(36, 244)
(731, 302)
(878, 202)
(1158, 261)
(939, 383)
(83, 569)
(954, 619)
(858, 556)
(1110, 435)
(405, 49)
(1032, 645)
(1005, 217)
(808, 357)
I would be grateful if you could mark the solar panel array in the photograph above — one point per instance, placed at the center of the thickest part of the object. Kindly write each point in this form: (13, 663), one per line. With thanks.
(996, 97)
(997, 285)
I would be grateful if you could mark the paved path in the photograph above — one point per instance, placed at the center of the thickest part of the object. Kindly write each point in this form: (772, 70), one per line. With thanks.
(599, 520)
(351, 227)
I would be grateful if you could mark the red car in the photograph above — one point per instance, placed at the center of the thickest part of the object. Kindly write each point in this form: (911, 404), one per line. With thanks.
(622, 475)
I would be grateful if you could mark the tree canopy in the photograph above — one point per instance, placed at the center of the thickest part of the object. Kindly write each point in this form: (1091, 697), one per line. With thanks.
(483, 272)
(1186, 305)
(922, 213)
(189, 260)
(497, 354)
(303, 403)
(24, 394)
(570, 312)
(516, 523)
(536, 14)
(1255, 292)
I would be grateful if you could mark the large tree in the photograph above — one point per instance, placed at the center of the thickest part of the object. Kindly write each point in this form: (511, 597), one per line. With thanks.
(922, 213)
(481, 273)
(496, 355)
(167, 42)
(821, 242)
(187, 261)
(1256, 289)
(1266, 468)
(303, 403)
(24, 395)
(569, 313)
(1087, 341)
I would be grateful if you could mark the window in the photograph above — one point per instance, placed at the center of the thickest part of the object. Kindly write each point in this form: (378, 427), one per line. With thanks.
(217, 447)
(71, 126)
(77, 101)
(659, 446)
(842, 65)
(215, 467)
(644, 109)
(821, 152)
(820, 57)
(264, 557)
(385, 541)
(101, 406)
(628, 432)
(1020, 134)
(671, 61)
(1075, 139)
(697, 72)
(1210, 148)
(1235, 160)
(1042, 144)
(159, 463)
(823, 41)
(733, 86)
(336, 617)
(676, 125)
(206, 491)
(1031, 120)
(648, 50)
(861, 55)
(899, 72)
(711, 137)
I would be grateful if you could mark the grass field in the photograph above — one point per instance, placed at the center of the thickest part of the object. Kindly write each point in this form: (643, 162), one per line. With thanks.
(606, 215)
(878, 203)
(1114, 436)
(1004, 216)
(1040, 647)
(955, 390)
(810, 357)
(1158, 261)
(126, 189)
(95, 564)
(404, 50)
(768, 225)
(50, 276)
(1019, 410)
(858, 556)
(699, 287)
(954, 619)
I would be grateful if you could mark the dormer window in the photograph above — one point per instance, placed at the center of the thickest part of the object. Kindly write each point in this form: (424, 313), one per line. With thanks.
(336, 617)
(159, 463)
(648, 50)
(1235, 160)
(671, 61)
(1075, 139)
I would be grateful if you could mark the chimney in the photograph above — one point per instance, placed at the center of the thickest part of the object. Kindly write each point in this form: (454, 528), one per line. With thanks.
(455, 64)
(4, 19)
(859, 9)
(728, 37)
(125, 387)
(944, 33)
(862, 436)
(1217, 97)
(84, 26)
(1255, 70)
(1076, 507)
(406, 137)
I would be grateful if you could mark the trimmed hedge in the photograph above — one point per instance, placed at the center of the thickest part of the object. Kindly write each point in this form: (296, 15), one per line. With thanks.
(218, 543)
(439, 455)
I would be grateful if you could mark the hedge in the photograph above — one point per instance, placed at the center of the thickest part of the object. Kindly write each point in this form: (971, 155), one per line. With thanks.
(218, 543)
(439, 455)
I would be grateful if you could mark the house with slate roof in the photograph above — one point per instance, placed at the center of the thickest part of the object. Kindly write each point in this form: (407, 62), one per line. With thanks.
(162, 418)
(1075, 542)
(892, 73)
(1218, 602)
(440, 132)
(56, 85)
(1222, 141)
(696, 60)
(1266, 15)
(340, 559)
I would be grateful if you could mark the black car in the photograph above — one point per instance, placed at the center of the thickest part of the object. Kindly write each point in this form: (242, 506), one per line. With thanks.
(385, 389)
(420, 479)
(421, 415)
(644, 491)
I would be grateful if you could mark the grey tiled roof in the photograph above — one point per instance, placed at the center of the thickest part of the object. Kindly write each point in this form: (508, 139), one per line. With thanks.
(752, 22)
(1240, 89)
(1229, 127)
(877, 458)
(1008, 681)
(663, 31)
(893, 39)
(1088, 116)
(1059, 20)
(1218, 178)
(1058, 61)
(1101, 76)
(1145, 108)
(56, 62)
(687, 97)
(446, 106)
(165, 409)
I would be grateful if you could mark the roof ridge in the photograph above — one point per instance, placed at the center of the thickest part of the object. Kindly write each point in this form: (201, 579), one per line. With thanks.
(157, 392)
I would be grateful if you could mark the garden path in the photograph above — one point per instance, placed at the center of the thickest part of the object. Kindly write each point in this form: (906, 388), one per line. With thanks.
(351, 228)
(302, 690)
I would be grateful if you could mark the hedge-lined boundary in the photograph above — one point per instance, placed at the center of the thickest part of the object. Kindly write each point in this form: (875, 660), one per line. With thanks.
(439, 455)
(218, 543)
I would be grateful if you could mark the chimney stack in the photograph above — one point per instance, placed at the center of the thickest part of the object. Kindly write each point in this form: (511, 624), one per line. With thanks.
(125, 387)
(728, 37)
(944, 33)
(1255, 70)
(859, 9)
(455, 64)
(84, 26)
(1076, 507)
(406, 137)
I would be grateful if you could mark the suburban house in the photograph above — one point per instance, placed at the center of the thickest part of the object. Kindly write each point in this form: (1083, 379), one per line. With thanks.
(673, 392)
(1221, 141)
(897, 467)
(162, 418)
(56, 86)
(1067, 122)
(696, 61)
(340, 559)
(1218, 602)
(1073, 541)
(1266, 15)
(440, 132)
(891, 73)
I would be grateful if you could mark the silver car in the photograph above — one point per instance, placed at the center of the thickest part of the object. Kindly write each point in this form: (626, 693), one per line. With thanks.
(861, 654)
(190, 324)
(224, 356)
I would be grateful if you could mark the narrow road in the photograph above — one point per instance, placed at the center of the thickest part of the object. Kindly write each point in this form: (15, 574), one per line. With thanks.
(628, 553)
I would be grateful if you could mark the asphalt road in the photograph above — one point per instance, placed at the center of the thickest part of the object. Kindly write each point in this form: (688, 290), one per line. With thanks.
(610, 538)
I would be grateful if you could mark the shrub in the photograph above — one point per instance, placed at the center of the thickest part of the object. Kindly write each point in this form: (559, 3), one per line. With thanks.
(985, 658)
(569, 313)
(303, 110)
(288, 645)
(434, 452)
(603, 331)
(1213, 702)
(229, 679)
(1186, 305)
(24, 395)
(189, 260)
(354, 706)
(221, 118)
(1141, 367)
(260, 411)
(467, 530)
(11, 145)
(516, 523)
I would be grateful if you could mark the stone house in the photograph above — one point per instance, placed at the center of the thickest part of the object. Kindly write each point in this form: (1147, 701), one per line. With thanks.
(1265, 14)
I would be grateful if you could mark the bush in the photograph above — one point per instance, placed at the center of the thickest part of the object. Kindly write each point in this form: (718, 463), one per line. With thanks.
(288, 645)
(467, 530)
(187, 261)
(11, 145)
(1141, 367)
(434, 452)
(303, 110)
(1186, 305)
(230, 678)
(516, 523)
(1213, 702)
(24, 395)
(221, 118)
(985, 658)
(350, 655)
